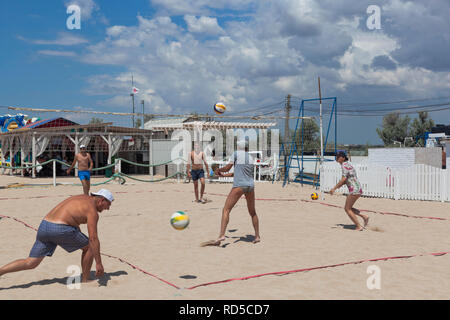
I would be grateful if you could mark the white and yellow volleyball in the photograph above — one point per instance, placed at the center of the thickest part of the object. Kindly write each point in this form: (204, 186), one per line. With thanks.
(179, 220)
(219, 108)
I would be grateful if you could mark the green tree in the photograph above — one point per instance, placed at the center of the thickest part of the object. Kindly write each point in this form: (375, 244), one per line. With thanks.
(138, 123)
(421, 125)
(395, 128)
(96, 121)
(311, 136)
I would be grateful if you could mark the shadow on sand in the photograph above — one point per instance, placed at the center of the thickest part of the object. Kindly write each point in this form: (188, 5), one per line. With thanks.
(103, 281)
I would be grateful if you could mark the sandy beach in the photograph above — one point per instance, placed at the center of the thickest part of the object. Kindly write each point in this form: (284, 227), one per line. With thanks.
(295, 235)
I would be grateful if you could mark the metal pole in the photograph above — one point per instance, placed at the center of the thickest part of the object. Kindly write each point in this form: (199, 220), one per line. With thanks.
(321, 133)
(33, 156)
(150, 158)
(11, 143)
(143, 112)
(132, 99)
(54, 173)
(132, 96)
(286, 130)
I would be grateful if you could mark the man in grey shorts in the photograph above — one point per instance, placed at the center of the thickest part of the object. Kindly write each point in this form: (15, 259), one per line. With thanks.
(243, 184)
(61, 227)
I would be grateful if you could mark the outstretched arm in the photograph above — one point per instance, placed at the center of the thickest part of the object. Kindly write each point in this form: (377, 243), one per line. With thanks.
(73, 165)
(94, 242)
(225, 169)
(206, 165)
(188, 166)
(339, 184)
(91, 163)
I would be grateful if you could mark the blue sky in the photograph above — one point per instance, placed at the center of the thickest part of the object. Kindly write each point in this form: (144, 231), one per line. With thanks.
(187, 55)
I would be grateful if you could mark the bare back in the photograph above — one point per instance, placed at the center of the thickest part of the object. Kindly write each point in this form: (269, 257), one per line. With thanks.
(83, 161)
(72, 211)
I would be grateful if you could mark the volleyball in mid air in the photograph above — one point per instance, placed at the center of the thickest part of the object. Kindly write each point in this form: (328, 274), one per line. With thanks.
(219, 108)
(179, 220)
(314, 196)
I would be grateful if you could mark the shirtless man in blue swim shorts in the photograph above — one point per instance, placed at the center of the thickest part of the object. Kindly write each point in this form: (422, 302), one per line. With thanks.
(60, 227)
(197, 158)
(85, 165)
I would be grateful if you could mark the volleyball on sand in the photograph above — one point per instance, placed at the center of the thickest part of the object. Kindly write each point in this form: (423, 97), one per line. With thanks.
(179, 220)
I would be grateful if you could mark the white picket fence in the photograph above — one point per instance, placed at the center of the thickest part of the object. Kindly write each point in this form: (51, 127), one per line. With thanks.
(418, 182)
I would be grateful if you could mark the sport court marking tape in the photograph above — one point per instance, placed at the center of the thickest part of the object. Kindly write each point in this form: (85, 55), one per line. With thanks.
(258, 199)
(258, 275)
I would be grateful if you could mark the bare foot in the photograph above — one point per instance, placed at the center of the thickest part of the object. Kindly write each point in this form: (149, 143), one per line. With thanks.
(366, 221)
(257, 239)
(218, 241)
(359, 228)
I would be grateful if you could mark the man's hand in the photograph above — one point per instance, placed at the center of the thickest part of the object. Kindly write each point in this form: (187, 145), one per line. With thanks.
(332, 191)
(68, 171)
(189, 174)
(100, 271)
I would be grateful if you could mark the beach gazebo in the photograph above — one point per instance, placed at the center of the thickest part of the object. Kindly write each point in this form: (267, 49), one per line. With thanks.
(103, 140)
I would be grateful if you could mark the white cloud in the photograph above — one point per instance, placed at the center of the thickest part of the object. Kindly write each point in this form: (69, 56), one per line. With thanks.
(56, 53)
(63, 39)
(88, 7)
(280, 49)
(199, 7)
(205, 25)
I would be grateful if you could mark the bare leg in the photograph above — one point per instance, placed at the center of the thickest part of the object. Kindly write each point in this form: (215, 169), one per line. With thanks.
(202, 188)
(351, 199)
(87, 258)
(363, 216)
(21, 264)
(196, 190)
(250, 197)
(232, 198)
(84, 182)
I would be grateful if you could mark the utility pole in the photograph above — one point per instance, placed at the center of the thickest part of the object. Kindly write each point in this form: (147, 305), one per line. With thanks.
(321, 132)
(132, 96)
(286, 128)
(142, 101)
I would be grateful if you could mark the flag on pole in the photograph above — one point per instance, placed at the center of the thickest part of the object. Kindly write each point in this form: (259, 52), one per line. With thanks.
(135, 90)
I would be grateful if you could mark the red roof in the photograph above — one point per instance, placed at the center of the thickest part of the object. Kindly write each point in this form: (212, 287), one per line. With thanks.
(50, 123)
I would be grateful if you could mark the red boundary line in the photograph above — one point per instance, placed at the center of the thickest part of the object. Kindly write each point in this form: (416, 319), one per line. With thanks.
(258, 275)
(315, 268)
(103, 254)
(265, 199)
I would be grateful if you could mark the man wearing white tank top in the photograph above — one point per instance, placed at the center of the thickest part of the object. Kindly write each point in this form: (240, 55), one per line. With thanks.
(197, 158)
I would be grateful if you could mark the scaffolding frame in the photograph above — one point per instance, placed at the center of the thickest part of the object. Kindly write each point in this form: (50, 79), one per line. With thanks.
(293, 150)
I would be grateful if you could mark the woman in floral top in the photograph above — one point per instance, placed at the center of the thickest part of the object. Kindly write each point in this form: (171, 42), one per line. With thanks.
(354, 190)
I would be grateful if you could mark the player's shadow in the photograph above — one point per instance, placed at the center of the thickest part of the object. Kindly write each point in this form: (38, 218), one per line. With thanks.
(188, 276)
(345, 226)
(103, 281)
(247, 238)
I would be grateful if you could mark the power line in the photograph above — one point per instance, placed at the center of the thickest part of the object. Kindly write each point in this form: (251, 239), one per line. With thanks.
(253, 117)
(257, 108)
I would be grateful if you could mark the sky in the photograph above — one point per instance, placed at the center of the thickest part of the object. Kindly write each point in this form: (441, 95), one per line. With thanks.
(187, 55)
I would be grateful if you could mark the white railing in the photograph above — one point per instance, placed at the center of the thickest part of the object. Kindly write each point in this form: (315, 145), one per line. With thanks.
(418, 182)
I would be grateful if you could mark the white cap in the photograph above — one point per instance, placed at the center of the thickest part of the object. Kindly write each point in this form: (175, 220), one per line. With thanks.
(82, 146)
(105, 194)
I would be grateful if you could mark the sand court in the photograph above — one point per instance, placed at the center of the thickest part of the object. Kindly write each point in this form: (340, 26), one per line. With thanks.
(295, 235)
